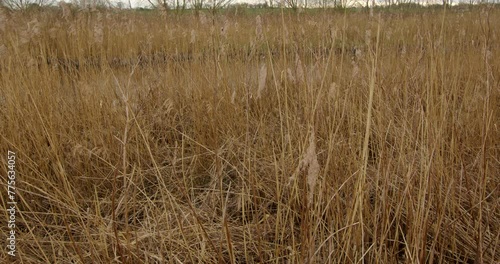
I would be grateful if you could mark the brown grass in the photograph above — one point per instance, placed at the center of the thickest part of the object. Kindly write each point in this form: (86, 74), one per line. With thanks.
(287, 138)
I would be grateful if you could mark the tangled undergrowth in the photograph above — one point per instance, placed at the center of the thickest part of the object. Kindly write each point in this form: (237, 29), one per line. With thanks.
(322, 137)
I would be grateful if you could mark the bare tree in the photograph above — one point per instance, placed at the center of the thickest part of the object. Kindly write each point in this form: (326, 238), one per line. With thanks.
(91, 4)
(217, 4)
(162, 4)
(23, 4)
(329, 3)
(293, 4)
(197, 4)
(167, 4)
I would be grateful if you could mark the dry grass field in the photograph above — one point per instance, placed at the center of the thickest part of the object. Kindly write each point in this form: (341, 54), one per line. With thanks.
(311, 137)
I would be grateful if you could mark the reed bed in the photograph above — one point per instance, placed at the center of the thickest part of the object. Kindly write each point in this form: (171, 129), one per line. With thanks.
(277, 137)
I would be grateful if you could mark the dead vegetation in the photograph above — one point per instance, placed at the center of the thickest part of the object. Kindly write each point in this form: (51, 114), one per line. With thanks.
(304, 138)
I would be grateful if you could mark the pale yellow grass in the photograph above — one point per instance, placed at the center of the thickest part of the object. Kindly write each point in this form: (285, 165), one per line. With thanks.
(319, 137)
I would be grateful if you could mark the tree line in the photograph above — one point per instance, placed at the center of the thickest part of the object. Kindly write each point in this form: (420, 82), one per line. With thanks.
(219, 4)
